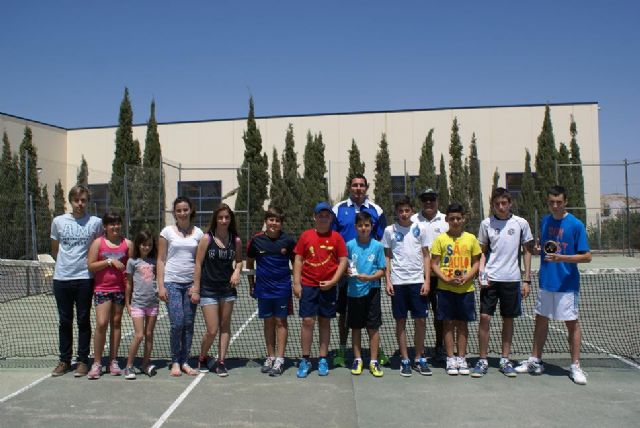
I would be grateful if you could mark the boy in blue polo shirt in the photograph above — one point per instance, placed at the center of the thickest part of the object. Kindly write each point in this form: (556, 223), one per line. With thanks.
(366, 267)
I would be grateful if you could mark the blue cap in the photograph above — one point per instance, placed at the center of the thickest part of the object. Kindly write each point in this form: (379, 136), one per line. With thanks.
(322, 206)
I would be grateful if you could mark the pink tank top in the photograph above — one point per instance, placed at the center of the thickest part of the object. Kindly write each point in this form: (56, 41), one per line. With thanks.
(111, 280)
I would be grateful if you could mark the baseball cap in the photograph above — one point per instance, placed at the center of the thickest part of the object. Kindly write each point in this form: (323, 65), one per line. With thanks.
(322, 206)
(429, 191)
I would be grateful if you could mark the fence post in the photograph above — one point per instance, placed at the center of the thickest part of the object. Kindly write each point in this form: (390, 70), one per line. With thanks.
(127, 217)
(626, 191)
(26, 204)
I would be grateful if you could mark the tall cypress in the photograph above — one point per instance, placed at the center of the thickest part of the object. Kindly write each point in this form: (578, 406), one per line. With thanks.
(315, 168)
(577, 198)
(59, 206)
(546, 156)
(475, 194)
(565, 178)
(125, 154)
(293, 197)
(83, 173)
(356, 166)
(154, 196)
(527, 198)
(443, 186)
(277, 189)
(382, 190)
(427, 172)
(11, 202)
(258, 173)
(457, 176)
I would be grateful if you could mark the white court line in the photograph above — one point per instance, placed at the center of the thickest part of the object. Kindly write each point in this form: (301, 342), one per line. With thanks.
(597, 348)
(21, 390)
(198, 378)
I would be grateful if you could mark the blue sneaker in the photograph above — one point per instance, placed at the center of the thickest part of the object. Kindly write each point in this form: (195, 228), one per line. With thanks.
(480, 369)
(422, 367)
(304, 367)
(323, 367)
(507, 368)
(405, 368)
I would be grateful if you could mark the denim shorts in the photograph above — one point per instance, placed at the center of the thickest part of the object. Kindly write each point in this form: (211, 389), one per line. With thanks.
(205, 301)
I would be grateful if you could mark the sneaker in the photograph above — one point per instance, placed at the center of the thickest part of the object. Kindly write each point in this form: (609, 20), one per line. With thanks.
(452, 366)
(149, 370)
(529, 366)
(81, 369)
(267, 365)
(61, 369)
(129, 373)
(507, 368)
(463, 367)
(304, 367)
(114, 368)
(95, 372)
(405, 368)
(356, 368)
(221, 370)
(422, 367)
(323, 367)
(339, 360)
(375, 369)
(204, 364)
(277, 369)
(382, 357)
(480, 369)
(577, 375)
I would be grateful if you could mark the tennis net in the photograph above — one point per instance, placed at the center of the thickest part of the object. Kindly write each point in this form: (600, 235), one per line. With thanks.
(609, 316)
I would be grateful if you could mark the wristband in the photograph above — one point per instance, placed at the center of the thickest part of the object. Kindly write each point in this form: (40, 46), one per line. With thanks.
(109, 262)
(527, 281)
(195, 292)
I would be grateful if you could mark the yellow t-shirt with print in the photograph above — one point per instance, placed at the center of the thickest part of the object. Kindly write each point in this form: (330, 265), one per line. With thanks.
(455, 258)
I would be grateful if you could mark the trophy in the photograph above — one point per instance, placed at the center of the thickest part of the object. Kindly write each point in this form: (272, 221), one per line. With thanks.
(458, 273)
(551, 247)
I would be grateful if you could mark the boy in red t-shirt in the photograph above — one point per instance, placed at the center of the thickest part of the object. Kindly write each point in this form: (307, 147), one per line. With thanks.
(321, 259)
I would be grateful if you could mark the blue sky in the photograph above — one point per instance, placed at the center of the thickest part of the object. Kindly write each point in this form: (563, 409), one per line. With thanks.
(67, 62)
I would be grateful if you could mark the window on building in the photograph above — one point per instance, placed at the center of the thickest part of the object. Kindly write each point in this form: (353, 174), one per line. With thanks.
(206, 196)
(514, 182)
(99, 202)
(401, 187)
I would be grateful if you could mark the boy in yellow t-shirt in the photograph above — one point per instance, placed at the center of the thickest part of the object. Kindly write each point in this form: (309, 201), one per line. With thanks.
(455, 257)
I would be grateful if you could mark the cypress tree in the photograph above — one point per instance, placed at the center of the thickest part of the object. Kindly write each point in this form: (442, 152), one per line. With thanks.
(315, 168)
(355, 166)
(427, 173)
(382, 190)
(457, 176)
(258, 173)
(293, 197)
(154, 196)
(59, 203)
(277, 189)
(125, 154)
(83, 173)
(546, 156)
(527, 198)
(564, 172)
(43, 222)
(27, 149)
(443, 186)
(577, 198)
(11, 202)
(494, 184)
(475, 196)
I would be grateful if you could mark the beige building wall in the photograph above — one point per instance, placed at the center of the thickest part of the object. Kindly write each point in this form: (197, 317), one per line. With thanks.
(502, 135)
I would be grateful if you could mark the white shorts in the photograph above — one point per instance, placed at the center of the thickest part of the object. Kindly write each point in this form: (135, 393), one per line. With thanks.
(556, 305)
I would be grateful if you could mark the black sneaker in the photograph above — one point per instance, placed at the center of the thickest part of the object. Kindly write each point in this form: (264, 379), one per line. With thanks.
(405, 368)
(221, 370)
(267, 365)
(277, 369)
(422, 367)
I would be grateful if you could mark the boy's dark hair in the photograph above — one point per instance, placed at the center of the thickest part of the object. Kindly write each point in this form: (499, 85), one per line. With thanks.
(455, 207)
(142, 237)
(111, 218)
(360, 176)
(192, 207)
(404, 200)
(557, 191)
(500, 192)
(363, 217)
(78, 190)
(274, 212)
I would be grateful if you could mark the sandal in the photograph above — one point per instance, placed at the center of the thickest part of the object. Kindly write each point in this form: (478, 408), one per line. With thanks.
(175, 370)
(188, 370)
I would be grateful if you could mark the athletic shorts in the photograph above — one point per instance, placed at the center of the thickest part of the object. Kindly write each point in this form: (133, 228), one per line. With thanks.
(561, 306)
(279, 307)
(406, 297)
(116, 297)
(151, 311)
(365, 311)
(432, 297)
(343, 286)
(509, 295)
(229, 297)
(456, 306)
(315, 302)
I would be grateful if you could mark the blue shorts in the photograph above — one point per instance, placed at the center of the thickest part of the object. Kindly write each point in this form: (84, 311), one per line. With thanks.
(315, 302)
(279, 307)
(456, 306)
(406, 297)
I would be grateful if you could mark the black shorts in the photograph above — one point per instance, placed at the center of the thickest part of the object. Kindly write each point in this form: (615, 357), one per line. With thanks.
(509, 295)
(343, 285)
(365, 311)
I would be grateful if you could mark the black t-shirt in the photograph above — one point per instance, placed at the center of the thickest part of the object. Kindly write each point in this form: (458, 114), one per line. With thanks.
(217, 268)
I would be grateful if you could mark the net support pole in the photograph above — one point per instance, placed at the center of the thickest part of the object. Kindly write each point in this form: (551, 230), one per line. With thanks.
(26, 203)
(626, 191)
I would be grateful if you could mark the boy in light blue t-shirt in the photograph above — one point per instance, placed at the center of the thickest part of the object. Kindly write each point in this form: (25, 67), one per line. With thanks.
(366, 267)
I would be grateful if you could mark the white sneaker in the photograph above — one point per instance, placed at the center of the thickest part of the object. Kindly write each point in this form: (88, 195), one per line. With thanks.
(577, 375)
(463, 368)
(528, 366)
(452, 366)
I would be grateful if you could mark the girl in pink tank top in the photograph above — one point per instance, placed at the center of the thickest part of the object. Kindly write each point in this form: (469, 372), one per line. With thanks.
(107, 260)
